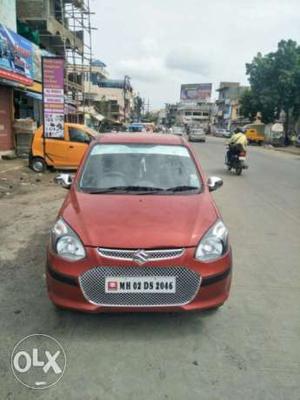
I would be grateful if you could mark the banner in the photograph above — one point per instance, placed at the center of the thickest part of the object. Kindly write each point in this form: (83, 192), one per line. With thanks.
(16, 52)
(196, 92)
(53, 96)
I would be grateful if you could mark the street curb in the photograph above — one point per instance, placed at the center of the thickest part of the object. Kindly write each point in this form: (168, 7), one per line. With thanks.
(295, 151)
(289, 151)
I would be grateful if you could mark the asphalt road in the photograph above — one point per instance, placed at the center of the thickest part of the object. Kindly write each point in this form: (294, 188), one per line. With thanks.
(249, 349)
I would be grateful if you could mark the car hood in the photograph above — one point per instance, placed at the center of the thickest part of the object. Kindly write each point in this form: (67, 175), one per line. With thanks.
(151, 221)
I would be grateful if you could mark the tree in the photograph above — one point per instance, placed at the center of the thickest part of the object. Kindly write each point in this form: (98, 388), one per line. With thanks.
(275, 84)
(137, 107)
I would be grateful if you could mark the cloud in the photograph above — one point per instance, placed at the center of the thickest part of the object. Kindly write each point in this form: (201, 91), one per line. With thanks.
(187, 59)
(145, 69)
(162, 44)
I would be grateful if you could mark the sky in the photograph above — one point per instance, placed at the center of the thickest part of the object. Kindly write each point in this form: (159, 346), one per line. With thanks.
(161, 44)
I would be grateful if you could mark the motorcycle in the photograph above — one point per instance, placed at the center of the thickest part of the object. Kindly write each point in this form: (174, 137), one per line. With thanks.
(237, 161)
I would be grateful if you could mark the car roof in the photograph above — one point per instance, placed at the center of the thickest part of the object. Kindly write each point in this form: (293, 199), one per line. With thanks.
(140, 138)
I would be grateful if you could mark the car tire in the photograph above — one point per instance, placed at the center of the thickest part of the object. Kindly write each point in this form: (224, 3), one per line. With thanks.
(38, 164)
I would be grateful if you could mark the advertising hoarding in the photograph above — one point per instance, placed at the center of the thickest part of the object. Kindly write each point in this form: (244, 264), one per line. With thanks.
(196, 92)
(53, 96)
(16, 57)
(20, 60)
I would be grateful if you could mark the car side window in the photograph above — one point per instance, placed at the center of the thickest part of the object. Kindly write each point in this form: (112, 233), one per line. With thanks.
(79, 136)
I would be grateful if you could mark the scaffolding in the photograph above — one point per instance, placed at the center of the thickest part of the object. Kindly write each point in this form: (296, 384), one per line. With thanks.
(75, 16)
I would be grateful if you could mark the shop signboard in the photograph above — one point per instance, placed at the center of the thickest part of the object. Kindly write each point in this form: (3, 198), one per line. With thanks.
(53, 96)
(196, 92)
(16, 57)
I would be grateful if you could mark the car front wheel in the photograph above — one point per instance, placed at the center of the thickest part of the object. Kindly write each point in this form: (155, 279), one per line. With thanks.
(38, 164)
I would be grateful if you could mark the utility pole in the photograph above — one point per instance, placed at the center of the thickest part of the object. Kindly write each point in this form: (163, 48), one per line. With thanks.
(148, 106)
(125, 84)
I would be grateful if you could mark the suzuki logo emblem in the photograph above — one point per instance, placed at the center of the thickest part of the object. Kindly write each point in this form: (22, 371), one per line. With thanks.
(140, 257)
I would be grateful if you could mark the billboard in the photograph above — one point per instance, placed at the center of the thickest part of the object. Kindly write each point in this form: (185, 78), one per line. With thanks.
(53, 96)
(196, 92)
(16, 63)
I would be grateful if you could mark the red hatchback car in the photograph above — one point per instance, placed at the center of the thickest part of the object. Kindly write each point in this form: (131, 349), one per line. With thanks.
(139, 230)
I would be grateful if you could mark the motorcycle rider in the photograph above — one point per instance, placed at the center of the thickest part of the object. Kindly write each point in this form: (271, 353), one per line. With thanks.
(238, 142)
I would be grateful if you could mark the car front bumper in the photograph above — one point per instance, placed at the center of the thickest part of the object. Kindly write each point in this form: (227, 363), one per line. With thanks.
(65, 291)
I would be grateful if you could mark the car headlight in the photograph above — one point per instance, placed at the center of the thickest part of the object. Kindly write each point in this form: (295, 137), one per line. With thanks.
(214, 244)
(65, 242)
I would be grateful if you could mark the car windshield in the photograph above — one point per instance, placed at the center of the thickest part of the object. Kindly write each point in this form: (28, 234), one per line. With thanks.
(140, 169)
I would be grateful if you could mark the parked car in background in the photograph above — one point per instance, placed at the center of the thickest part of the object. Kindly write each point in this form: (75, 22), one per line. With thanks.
(136, 127)
(221, 132)
(178, 130)
(197, 135)
(60, 153)
(139, 231)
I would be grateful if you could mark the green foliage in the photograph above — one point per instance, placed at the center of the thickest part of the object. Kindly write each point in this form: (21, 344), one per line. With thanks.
(275, 83)
(150, 117)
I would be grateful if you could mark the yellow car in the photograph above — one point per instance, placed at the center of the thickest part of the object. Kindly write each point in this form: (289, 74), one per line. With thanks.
(60, 153)
(253, 136)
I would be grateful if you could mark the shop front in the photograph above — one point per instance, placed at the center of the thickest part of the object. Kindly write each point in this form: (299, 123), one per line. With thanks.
(6, 111)
(20, 85)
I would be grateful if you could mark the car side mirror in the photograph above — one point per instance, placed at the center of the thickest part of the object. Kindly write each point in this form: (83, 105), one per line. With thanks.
(64, 180)
(214, 183)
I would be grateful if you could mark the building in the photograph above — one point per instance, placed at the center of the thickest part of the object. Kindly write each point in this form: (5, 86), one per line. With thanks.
(8, 14)
(112, 98)
(20, 78)
(228, 105)
(170, 114)
(30, 29)
(194, 114)
(62, 27)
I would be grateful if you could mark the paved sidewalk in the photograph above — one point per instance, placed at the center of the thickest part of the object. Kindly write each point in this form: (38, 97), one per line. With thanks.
(288, 149)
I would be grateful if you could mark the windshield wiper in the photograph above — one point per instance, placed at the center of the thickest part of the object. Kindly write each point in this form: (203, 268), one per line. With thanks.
(182, 188)
(125, 189)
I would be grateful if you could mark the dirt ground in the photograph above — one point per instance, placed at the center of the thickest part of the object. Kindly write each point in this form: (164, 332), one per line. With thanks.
(25, 194)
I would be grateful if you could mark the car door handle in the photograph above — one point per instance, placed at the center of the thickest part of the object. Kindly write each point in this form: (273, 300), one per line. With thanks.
(71, 147)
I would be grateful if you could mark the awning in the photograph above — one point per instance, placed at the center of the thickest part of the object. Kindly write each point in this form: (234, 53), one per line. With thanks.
(36, 87)
(36, 96)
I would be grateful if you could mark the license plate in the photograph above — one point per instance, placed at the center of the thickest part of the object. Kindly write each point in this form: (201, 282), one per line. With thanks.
(242, 158)
(142, 284)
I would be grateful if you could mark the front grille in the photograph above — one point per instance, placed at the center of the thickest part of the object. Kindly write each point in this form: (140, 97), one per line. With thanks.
(150, 255)
(92, 284)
